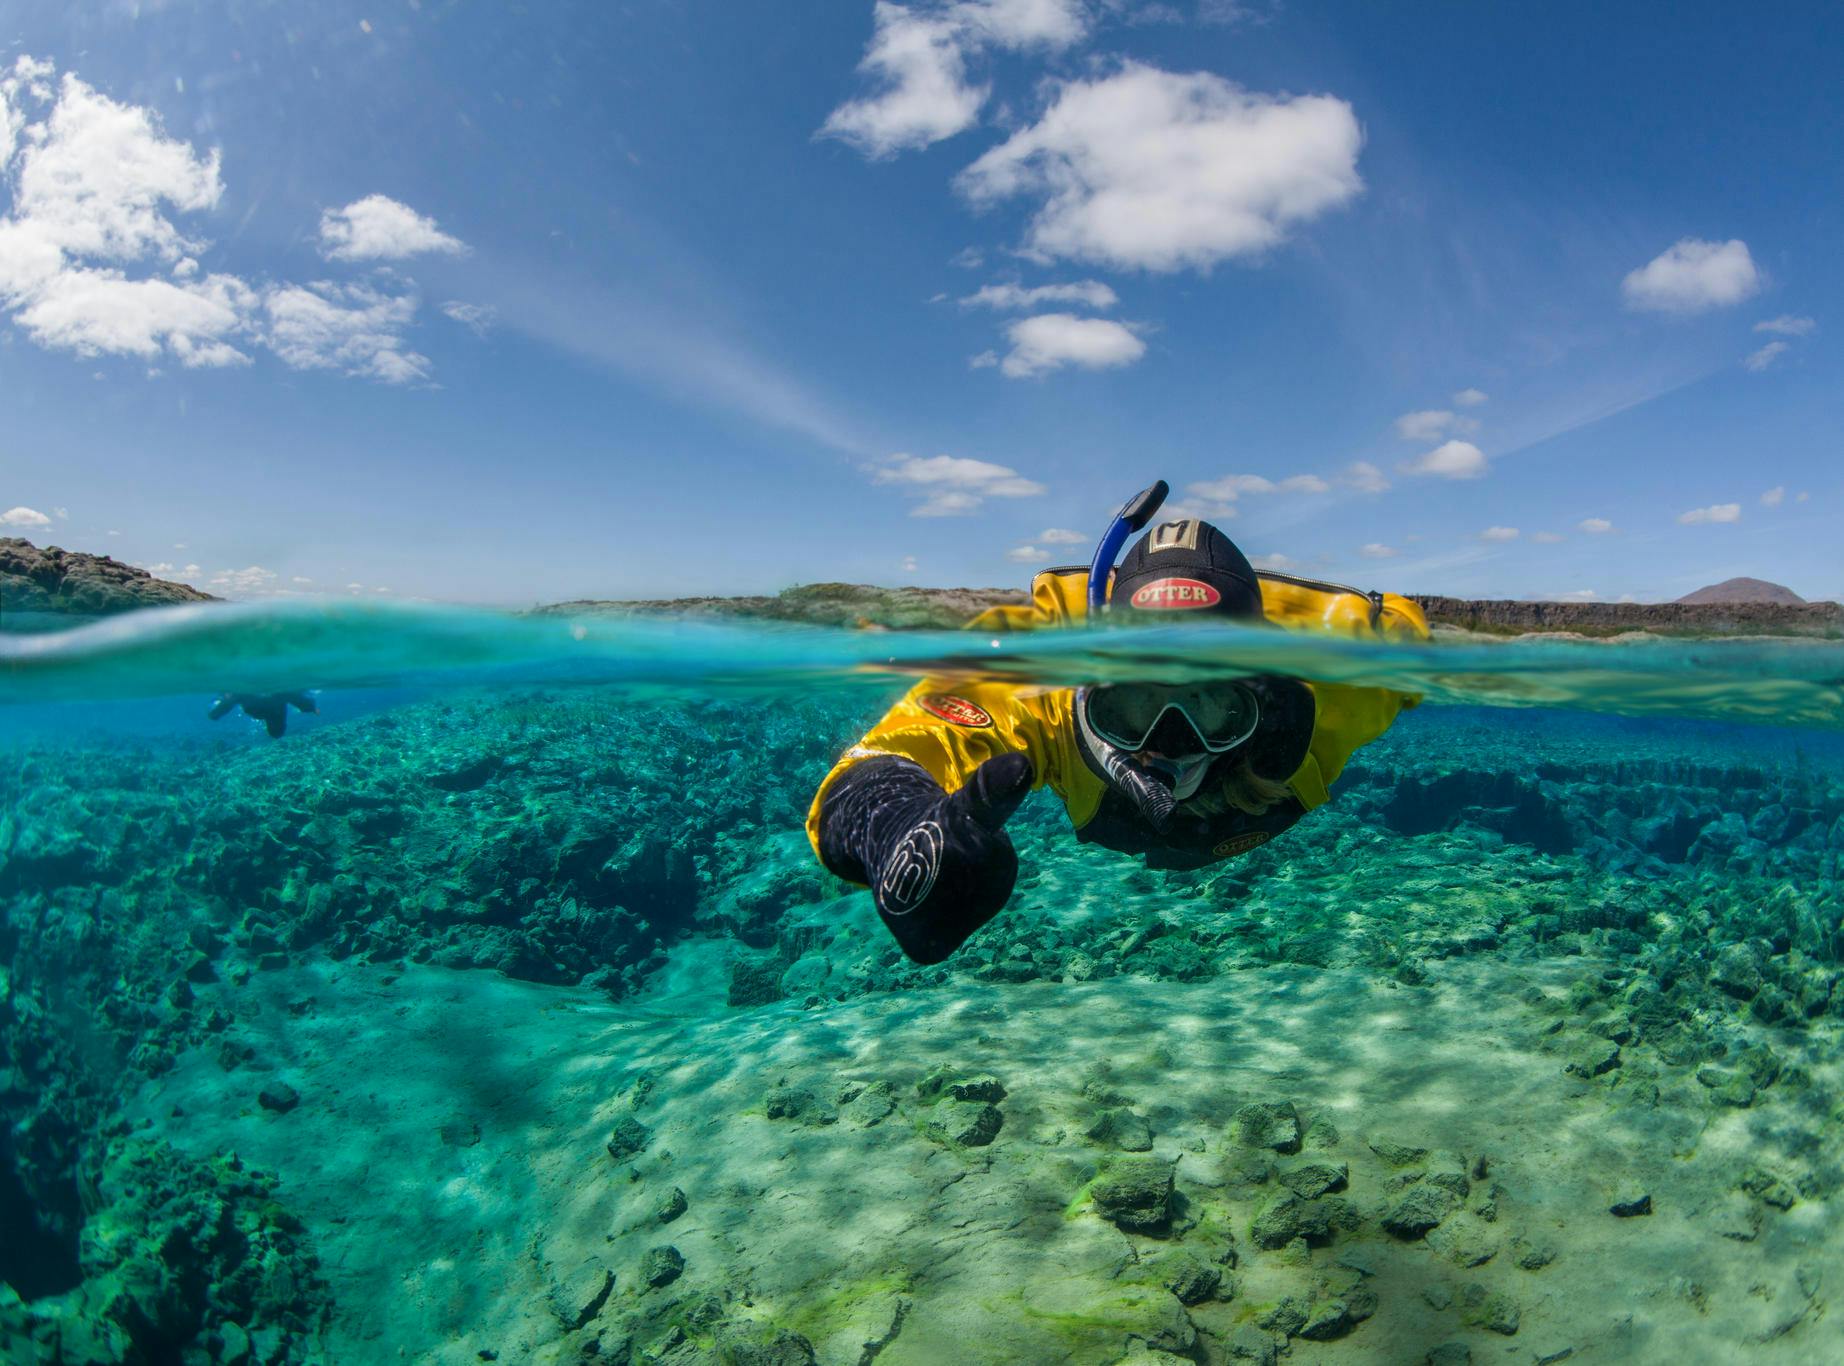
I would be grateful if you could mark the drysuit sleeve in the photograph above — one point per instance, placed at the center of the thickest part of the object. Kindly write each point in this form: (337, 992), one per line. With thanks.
(1348, 717)
(948, 731)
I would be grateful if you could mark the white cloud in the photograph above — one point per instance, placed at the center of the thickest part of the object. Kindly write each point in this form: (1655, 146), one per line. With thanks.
(952, 486)
(1774, 496)
(984, 361)
(1693, 275)
(1050, 341)
(1548, 537)
(1090, 293)
(1757, 361)
(1274, 561)
(254, 579)
(1499, 533)
(1434, 423)
(378, 228)
(1148, 169)
(301, 579)
(1595, 526)
(1787, 325)
(92, 261)
(1364, 477)
(92, 184)
(1577, 595)
(918, 58)
(1232, 486)
(1376, 550)
(351, 328)
(1716, 512)
(1454, 460)
(477, 318)
(909, 564)
(1062, 536)
(1027, 554)
(24, 517)
(1470, 398)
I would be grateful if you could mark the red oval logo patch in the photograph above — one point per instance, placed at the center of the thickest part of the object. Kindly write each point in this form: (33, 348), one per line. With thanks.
(1240, 844)
(1175, 595)
(956, 711)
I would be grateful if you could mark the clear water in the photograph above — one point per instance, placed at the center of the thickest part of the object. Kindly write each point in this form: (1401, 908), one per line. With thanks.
(407, 1035)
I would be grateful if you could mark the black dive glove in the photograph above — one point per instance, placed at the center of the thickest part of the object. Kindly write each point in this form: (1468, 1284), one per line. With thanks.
(939, 866)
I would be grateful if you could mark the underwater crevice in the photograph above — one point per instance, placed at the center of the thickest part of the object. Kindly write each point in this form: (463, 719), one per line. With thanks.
(35, 1260)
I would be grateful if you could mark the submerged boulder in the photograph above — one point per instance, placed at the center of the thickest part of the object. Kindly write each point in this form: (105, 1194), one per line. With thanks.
(1135, 1192)
(1268, 1124)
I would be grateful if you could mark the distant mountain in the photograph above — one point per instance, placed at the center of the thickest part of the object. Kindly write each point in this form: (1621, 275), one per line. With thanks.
(69, 581)
(1745, 590)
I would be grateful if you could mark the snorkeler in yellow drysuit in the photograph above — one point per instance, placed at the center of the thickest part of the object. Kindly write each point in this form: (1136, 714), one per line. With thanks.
(1181, 775)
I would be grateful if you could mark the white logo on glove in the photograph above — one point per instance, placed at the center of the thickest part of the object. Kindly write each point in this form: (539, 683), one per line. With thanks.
(910, 875)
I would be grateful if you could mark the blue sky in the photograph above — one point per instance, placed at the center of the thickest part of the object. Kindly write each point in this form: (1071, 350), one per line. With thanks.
(421, 299)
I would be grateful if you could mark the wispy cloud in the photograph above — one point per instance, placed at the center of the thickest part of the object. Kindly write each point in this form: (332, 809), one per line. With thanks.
(952, 486)
(1715, 512)
(24, 518)
(1787, 325)
(1470, 398)
(1434, 423)
(1499, 533)
(1757, 361)
(1595, 526)
(1015, 298)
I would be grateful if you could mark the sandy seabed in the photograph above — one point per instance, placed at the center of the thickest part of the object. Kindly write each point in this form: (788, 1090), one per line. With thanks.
(489, 1169)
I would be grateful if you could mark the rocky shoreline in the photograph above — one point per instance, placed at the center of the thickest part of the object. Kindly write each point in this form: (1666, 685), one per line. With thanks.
(72, 583)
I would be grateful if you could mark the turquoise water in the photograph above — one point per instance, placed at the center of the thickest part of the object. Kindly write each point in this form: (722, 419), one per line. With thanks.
(501, 1007)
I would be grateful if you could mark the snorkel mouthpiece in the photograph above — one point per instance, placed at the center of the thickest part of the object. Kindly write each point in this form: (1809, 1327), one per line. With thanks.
(1151, 798)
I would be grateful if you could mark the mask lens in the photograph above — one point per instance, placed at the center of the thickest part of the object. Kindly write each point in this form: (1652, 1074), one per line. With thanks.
(1222, 714)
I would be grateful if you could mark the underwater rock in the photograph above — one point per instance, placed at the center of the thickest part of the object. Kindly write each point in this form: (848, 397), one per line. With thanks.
(1397, 1154)
(755, 981)
(787, 1101)
(1593, 1057)
(1313, 1179)
(662, 1266)
(1630, 1204)
(1451, 1354)
(1727, 1087)
(1247, 1343)
(1532, 1256)
(577, 1294)
(671, 1207)
(1189, 1278)
(969, 1123)
(1122, 1129)
(179, 1252)
(951, 1081)
(278, 1096)
(1286, 1217)
(1328, 1319)
(1769, 1189)
(1134, 1192)
(868, 1106)
(1286, 1317)
(1737, 970)
(761, 1344)
(1322, 1133)
(1268, 1124)
(1449, 1170)
(1499, 1314)
(1463, 1243)
(1420, 1209)
(628, 1138)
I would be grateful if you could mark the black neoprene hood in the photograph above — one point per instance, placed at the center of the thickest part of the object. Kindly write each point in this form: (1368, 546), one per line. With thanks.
(1184, 569)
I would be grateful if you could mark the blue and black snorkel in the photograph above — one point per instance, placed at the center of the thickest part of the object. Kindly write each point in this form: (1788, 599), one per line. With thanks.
(1135, 513)
(1153, 799)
